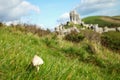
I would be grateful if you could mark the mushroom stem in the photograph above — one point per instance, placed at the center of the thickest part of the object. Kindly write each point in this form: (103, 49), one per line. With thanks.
(37, 68)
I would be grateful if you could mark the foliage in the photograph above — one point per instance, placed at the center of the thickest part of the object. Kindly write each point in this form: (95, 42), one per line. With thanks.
(83, 52)
(70, 24)
(111, 40)
(28, 28)
(91, 35)
(1, 24)
(74, 37)
(50, 42)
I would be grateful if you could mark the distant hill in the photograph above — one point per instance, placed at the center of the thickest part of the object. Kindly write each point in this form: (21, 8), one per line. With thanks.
(103, 21)
(118, 17)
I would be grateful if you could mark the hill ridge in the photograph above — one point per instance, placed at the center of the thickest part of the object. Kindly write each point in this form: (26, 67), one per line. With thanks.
(110, 21)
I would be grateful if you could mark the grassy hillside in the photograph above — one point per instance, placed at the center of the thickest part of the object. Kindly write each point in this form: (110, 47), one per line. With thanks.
(103, 21)
(118, 17)
(63, 60)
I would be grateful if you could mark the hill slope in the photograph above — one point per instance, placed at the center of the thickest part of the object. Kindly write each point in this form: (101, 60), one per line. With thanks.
(117, 17)
(63, 60)
(103, 21)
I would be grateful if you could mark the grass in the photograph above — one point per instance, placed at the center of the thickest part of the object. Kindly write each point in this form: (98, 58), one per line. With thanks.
(63, 60)
(103, 21)
(70, 24)
(111, 40)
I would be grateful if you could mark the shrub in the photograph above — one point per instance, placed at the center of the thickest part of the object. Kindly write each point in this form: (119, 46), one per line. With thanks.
(1, 24)
(74, 37)
(89, 48)
(47, 41)
(28, 28)
(91, 35)
(111, 40)
(52, 43)
(83, 53)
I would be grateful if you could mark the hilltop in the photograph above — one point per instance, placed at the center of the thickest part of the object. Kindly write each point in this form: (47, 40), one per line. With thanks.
(63, 60)
(110, 21)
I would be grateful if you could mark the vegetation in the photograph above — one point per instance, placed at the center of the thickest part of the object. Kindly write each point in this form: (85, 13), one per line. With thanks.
(26, 28)
(91, 35)
(63, 60)
(117, 17)
(74, 37)
(103, 21)
(111, 40)
(70, 24)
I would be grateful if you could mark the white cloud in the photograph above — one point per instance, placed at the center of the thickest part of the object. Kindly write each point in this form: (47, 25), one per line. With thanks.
(63, 18)
(11, 22)
(98, 7)
(15, 9)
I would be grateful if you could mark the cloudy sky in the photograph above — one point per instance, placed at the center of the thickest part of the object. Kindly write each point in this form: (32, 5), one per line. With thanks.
(49, 13)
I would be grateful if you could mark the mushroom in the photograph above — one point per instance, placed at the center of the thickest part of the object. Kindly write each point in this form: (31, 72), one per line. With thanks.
(37, 61)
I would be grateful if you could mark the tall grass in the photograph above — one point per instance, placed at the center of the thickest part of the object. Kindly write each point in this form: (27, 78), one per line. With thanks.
(17, 50)
(111, 40)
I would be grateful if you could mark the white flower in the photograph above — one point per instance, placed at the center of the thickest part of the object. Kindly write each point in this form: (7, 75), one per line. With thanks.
(37, 61)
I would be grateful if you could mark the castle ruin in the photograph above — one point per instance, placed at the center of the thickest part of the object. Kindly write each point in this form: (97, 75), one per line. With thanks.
(75, 17)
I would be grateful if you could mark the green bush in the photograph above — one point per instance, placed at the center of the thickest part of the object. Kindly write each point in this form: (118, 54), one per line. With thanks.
(91, 35)
(74, 37)
(50, 42)
(83, 53)
(1, 24)
(111, 40)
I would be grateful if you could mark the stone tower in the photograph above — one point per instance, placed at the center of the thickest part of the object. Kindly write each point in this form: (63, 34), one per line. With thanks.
(75, 17)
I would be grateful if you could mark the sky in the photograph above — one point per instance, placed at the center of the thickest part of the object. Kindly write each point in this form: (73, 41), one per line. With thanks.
(50, 13)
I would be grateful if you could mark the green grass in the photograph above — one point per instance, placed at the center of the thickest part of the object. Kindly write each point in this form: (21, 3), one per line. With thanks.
(63, 60)
(103, 21)
(117, 17)
(70, 24)
(111, 40)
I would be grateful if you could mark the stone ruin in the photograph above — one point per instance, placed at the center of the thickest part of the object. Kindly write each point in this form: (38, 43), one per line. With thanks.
(98, 29)
(106, 29)
(60, 30)
(75, 18)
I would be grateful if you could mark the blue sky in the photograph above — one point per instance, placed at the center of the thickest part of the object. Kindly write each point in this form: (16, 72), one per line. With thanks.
(50, 11)
(47, 13)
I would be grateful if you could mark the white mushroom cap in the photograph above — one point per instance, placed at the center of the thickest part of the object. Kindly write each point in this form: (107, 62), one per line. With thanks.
(37, 61)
